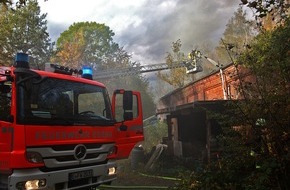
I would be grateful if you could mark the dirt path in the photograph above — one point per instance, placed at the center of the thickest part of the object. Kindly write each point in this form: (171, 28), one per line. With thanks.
(133, 179)
(136, 178)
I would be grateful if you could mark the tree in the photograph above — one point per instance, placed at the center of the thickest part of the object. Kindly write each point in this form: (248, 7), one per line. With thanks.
(175, 77)
(93, 43)
(9, 3)
(267, 105)
(268, 13)
(255, 155)
(238, 34)
(268, 59)
(24, 30)
(71, 52)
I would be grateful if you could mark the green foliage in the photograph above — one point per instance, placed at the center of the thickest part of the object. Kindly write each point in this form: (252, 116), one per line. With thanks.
(71, 52)
(268, 13)
(268, 59)
(264, 7)
(93, 43)
(24, 30)
(268, 97)
(10, 3)
(176, 77)
(255, 153)
(238, 34)
(153, 135)
(239, 163)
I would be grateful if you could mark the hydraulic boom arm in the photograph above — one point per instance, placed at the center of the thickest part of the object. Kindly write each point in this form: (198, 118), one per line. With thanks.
(192, 66)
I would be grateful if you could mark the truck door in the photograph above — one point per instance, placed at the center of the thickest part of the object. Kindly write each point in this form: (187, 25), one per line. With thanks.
(6, 128)
(127, 110)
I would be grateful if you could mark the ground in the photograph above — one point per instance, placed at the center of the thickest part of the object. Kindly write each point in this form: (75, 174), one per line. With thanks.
(129, 178)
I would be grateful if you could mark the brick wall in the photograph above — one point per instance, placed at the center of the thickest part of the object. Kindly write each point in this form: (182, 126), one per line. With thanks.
(207, 88)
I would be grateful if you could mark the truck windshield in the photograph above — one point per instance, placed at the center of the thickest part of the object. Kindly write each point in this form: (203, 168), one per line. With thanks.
(53, 101)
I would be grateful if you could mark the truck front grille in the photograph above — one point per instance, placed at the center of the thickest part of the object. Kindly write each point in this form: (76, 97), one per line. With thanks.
(66, 156)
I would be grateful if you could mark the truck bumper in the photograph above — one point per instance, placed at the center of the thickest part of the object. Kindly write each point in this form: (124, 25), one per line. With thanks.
(84, 177)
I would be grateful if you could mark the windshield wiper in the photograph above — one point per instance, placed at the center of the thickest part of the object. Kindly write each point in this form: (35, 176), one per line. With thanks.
(92, 115)
(63, 121)
(94, 120)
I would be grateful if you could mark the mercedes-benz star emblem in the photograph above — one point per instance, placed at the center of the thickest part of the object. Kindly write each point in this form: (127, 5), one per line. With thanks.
(80, 152)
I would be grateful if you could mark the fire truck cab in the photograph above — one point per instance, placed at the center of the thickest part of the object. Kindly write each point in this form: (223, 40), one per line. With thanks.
(59, 129)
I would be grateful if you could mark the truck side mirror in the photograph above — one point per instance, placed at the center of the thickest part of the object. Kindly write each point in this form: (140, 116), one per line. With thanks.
(128, 105)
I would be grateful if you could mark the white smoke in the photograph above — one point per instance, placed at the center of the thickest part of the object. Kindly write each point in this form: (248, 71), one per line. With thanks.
(163, 22)
(146, 28)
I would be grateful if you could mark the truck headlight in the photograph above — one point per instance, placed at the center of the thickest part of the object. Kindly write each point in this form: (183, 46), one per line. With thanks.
(34, 157)
(35, 184)
(112, 171)
(31, 184)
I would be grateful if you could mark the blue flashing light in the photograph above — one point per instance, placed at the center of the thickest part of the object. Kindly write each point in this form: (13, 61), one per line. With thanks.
(21, 60)
(23, 57)
(87, 72)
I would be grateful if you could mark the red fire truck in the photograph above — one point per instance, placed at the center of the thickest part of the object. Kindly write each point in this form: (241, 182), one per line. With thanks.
(59, 129)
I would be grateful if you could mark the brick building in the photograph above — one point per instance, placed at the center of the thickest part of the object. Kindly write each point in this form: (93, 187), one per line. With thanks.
(189, 131)
(208, 88)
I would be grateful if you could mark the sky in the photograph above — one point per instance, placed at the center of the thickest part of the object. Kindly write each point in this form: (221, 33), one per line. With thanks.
(146, 28)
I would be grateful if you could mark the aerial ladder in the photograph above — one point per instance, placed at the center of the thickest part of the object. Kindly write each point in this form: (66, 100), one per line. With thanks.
(192, 65)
